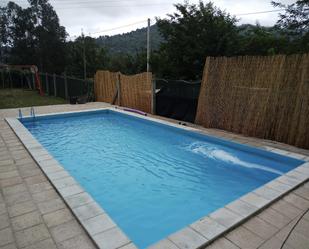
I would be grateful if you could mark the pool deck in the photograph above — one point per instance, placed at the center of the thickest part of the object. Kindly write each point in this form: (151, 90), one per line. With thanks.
(34, 215)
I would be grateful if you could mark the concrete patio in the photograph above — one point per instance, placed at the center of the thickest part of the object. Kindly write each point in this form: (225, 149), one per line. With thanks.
(33, 215)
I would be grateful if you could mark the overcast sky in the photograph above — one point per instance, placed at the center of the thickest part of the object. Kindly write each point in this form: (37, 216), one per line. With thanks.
(101, 15)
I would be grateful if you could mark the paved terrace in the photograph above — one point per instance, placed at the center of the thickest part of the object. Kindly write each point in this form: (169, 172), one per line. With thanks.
(33, 215)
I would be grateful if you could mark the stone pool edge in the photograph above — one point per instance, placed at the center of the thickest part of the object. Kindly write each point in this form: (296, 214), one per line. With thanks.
(106, 234)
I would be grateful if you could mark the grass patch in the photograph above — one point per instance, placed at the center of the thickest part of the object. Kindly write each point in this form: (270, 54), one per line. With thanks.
(14, 98)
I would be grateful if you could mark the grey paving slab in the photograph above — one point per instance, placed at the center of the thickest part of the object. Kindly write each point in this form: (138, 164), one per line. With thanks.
(11, 181)
(88, 211)
(9, 246)
(21, 208)
(51, 205)
(286, 209)
(45, 195)
(39, 187)
(278, 186)
(268, 193)
(255, 200)
(4, 221)
(243, 238)
(6, 236)
(58, 175)
(222, 243)
(260, 227)
(187, 238)
(111, 239)
(70, 190)
(15, 189)
(79, 199)
(208, 227)
(2, 208)
(57, 217)
(31, 235)
(242, 208)
(35, 179)
(297, 240)
(302, 192)
(274, 218)
(98, 224)
(272, 243)
(26, 220)
(66, 231)
(163, 244)
(64, 182)
(226, 217)
(17, 198)
(44, 244)
(77, 242)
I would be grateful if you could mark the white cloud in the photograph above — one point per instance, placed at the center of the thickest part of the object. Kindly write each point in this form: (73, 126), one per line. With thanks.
(96, 15)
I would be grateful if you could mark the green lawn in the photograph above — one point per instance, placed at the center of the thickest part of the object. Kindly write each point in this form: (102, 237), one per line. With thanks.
(14, 98)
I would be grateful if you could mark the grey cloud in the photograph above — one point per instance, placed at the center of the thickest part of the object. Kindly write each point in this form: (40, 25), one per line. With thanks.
(92, 16)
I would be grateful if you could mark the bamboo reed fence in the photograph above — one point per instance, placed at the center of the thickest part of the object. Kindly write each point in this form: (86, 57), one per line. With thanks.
(265, 97)
(133, 91)
(105, 86)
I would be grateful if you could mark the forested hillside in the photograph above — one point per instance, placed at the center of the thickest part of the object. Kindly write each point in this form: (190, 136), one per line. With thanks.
(132, 42)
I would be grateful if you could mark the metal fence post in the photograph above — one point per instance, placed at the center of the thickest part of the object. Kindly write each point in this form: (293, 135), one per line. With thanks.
(33, 81)
(55, 85)
(47, 83)
(66, 90)
(153, 96)
(2, 74)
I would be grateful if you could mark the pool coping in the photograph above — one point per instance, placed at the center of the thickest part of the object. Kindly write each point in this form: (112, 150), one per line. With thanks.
(105, 232)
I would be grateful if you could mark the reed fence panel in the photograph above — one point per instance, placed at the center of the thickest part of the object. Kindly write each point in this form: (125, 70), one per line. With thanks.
(105, 86)
(135, 91)
(265, 97)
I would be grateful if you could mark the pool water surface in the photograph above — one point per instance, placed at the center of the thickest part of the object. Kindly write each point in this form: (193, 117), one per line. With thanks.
(153, 179)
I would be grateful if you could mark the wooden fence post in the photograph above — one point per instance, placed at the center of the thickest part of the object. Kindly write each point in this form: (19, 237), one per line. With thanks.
(119, 89)
(153, 96)
(66, 90)
(55, 85)
(47, 83)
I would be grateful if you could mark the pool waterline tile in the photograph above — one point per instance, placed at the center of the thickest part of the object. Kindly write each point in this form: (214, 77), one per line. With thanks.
(219, 222)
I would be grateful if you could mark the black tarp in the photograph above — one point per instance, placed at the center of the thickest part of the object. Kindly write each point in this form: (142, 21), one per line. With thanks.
(177, 99)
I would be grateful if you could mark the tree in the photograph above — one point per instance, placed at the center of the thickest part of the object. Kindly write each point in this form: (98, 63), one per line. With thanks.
(192, 33)
(259, 40)
(33, 35)
(96, 57)
(294, 24)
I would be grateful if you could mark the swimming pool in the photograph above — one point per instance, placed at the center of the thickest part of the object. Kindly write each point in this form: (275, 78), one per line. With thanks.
(153, 179)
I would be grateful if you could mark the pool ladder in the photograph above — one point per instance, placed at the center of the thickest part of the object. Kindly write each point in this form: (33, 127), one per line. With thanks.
(32, 113)
(20, 114)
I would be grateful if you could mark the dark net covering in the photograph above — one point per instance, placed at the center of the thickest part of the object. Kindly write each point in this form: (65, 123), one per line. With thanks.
(177, 99)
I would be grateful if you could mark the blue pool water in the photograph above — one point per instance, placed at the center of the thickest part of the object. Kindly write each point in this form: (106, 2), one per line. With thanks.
(153, 179)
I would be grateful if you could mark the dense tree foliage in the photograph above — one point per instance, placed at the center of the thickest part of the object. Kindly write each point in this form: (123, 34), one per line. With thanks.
(198, 30)
(294, 24)
(95, 57)
(180, 42)
(33, 35)
(132, 42)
